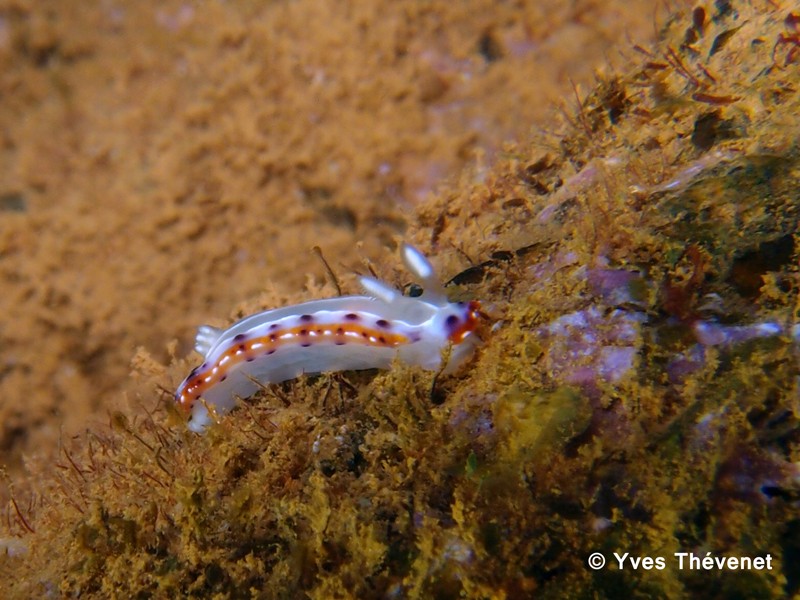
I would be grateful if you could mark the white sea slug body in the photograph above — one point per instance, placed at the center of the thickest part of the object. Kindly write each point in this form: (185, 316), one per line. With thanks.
(335, 334)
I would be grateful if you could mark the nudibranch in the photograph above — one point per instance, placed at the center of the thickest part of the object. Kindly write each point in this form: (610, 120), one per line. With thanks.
(334, 334)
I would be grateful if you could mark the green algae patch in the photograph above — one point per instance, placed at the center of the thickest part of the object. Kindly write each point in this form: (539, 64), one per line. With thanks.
(635, 392)
(534, 425)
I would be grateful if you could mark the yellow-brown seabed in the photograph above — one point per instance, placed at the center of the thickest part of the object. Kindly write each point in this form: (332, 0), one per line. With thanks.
(638, 392)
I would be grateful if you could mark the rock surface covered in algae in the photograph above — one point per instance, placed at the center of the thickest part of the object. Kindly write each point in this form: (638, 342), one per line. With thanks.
(636, 391)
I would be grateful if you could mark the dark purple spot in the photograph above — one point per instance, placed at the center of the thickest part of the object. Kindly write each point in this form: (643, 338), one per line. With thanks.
(383, 323)
(340, 342)
(274, 326)
(415, 337)
(351, 317)
(223, 378)
(451, 322)
(306, 318)
(268, 352)
(239, 338)
(305, 344)
(250, 358)
(204, 365)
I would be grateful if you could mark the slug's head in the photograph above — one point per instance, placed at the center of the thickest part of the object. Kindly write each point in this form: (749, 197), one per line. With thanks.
(442, 328)
(454, 328)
